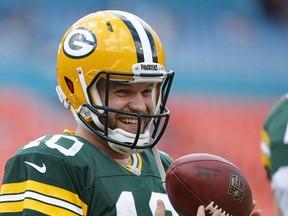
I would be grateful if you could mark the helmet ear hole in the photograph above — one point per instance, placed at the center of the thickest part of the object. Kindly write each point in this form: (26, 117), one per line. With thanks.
(69, 84)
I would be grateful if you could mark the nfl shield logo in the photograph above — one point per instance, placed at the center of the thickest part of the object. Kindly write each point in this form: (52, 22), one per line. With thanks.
(236, 187)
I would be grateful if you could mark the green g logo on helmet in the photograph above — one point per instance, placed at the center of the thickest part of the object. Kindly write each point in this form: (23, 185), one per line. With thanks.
(79, 43)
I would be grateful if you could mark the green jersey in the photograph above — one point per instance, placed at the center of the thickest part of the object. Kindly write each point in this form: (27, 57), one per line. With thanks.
(66, 175)
(274, 137)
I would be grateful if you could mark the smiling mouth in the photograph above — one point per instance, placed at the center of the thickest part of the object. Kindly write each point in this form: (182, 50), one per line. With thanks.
(129, 121)
(131, 124)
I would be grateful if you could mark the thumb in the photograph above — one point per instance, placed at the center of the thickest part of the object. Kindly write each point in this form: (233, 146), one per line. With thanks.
(160, 209)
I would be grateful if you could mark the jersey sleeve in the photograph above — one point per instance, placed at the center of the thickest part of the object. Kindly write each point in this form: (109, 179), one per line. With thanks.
(166, 160)
(39, 180)
(266, 152)
(274, 138)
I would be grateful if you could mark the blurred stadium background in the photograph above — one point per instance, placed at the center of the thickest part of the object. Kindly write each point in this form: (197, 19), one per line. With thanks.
(230, 59)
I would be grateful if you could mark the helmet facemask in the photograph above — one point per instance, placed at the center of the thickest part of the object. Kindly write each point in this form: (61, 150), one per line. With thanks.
(150, 127)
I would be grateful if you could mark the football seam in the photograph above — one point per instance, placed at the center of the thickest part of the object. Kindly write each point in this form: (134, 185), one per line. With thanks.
(182, 183)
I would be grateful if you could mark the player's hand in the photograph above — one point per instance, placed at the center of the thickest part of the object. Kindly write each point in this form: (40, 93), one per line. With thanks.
(256, 212)
(160, 209)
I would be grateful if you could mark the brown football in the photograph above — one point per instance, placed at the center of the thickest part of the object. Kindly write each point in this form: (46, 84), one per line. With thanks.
(209, 180)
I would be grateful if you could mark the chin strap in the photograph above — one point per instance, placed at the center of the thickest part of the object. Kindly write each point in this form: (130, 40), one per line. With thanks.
(159, 165)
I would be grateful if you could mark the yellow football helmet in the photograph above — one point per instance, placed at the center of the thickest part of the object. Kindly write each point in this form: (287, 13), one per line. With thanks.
(118, 46)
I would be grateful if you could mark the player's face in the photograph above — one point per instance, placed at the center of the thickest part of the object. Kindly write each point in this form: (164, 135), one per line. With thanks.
(136, 98)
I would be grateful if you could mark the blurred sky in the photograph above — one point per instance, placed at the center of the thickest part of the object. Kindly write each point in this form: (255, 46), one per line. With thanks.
(217, 48)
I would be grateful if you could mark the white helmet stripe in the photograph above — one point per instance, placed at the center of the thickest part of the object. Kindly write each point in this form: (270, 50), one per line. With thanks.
(143, 36)
(141, 33)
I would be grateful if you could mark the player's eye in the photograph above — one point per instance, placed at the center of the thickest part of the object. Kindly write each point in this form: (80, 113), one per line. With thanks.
(147, 92)
(122, 92)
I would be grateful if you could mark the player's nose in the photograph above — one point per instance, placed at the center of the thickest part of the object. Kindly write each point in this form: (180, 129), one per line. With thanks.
(138, 103)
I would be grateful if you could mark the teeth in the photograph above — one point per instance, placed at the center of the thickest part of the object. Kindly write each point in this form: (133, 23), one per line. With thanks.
(129, 121)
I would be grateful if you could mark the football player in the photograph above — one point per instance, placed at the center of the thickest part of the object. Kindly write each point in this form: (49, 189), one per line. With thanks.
(112, 78)
(274, 147)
